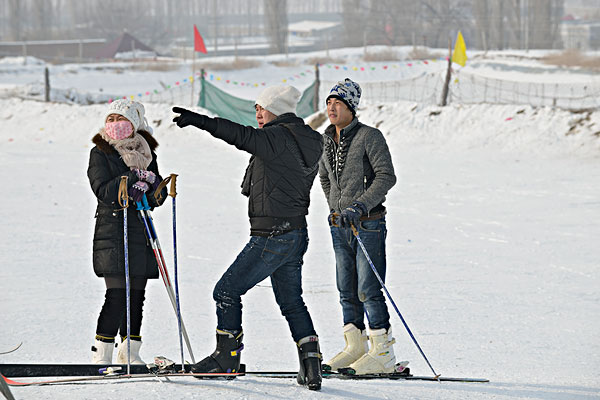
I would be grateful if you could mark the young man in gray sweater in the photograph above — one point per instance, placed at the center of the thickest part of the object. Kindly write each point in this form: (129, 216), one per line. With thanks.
(356, 172)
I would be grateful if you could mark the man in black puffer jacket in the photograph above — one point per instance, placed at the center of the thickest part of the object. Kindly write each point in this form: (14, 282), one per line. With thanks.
(284, 163)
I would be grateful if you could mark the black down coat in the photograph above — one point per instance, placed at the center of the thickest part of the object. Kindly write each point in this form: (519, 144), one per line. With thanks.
(281, 171)
(104, 173)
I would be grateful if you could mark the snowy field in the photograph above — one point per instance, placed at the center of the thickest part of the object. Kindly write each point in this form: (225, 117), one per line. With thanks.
(492, 253)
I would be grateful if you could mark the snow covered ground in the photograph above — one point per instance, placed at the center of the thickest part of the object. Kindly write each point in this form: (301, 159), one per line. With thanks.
(492, 253)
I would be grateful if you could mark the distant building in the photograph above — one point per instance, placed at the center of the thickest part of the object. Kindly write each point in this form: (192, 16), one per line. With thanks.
(313, 28)
(125, 47)
(581, 35)
(57, 51)
(62, 51)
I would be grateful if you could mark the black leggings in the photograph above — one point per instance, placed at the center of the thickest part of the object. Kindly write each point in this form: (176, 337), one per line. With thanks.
(113, 316)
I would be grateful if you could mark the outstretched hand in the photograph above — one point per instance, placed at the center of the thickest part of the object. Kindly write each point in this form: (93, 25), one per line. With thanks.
(188, 117)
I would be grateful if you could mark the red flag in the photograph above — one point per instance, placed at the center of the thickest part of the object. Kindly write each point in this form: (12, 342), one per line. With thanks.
(198, 42)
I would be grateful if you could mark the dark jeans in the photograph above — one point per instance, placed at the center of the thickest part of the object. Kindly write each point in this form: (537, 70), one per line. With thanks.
(359, 289)
(279, 257)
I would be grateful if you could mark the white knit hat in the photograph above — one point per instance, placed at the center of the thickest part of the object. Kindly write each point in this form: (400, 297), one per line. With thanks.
(279, 99)
(132, 110)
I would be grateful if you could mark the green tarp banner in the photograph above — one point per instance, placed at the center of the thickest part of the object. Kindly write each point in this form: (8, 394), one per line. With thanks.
(306, 105)
(242, 111)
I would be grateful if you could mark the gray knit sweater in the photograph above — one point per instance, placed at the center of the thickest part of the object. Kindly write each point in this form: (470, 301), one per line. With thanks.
(358, 169)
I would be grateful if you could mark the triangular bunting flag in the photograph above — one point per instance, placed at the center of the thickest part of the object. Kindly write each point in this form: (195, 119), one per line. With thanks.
(198, 41)
(459, 55)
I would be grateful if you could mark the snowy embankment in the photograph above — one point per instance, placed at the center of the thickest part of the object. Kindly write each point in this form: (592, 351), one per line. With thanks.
(492, 253)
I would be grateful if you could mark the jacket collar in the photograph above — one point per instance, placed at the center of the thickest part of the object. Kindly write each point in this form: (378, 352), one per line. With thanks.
(330, 130)
(350, 127)
(283, 119)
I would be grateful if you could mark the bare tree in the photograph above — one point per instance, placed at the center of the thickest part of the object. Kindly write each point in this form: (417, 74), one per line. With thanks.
(443, 18)
(514, 19)
(276, 24)
(543, 23)
(42, 12)
(352, 16)
(426, 22)
(15, 12)
(482, 15)
(518, 23)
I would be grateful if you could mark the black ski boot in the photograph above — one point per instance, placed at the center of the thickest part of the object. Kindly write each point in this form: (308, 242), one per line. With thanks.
(310, 363)
(226, 357)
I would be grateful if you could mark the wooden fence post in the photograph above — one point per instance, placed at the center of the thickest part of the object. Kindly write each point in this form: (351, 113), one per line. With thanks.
(202, 91)
(317, 85)
(47, 84)
(448, 75)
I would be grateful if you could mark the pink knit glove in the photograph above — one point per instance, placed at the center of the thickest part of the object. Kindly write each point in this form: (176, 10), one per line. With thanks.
(144, 175)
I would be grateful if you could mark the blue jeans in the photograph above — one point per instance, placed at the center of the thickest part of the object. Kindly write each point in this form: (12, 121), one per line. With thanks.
(359, 289)
(279, 257)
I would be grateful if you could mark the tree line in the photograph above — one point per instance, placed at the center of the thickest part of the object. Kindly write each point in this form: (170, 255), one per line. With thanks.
(486, 24)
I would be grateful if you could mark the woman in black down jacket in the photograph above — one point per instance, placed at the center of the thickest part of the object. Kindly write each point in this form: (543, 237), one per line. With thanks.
(124, 147)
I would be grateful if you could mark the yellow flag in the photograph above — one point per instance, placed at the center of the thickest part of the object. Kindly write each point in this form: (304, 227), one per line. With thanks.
(459, 55)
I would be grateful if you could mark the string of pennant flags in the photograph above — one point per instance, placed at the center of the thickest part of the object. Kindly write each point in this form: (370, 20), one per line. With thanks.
(217, 78)
(384, 67)
(155, 91)
(296, 76)
(212, 77)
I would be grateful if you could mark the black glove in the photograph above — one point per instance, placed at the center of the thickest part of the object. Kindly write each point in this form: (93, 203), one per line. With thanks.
(188, 117)
(153, 202)
(351, 215)
(333, 218)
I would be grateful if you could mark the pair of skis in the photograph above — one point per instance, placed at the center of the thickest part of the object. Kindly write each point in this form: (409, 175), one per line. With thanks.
(144, 210)
(163, 367)
(82, 373)
(403, 376)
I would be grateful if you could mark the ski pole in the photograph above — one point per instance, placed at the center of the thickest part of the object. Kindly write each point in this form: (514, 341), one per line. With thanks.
(168, 280)
(4, 389)
(362, 246)
(124, 202)
(160, 260)
(173, 193)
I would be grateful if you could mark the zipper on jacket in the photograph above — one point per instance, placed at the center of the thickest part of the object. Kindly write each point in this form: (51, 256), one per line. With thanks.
(337, 178)
(335, 171)
(365, 189)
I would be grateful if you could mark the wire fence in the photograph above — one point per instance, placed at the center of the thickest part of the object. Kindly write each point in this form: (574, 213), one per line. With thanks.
(466, 87)
(425, 89)
(470, 88)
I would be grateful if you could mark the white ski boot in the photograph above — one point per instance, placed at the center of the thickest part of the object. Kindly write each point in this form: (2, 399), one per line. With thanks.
(356, 347)
(102, 352)
(135, 352)
(380, 358)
